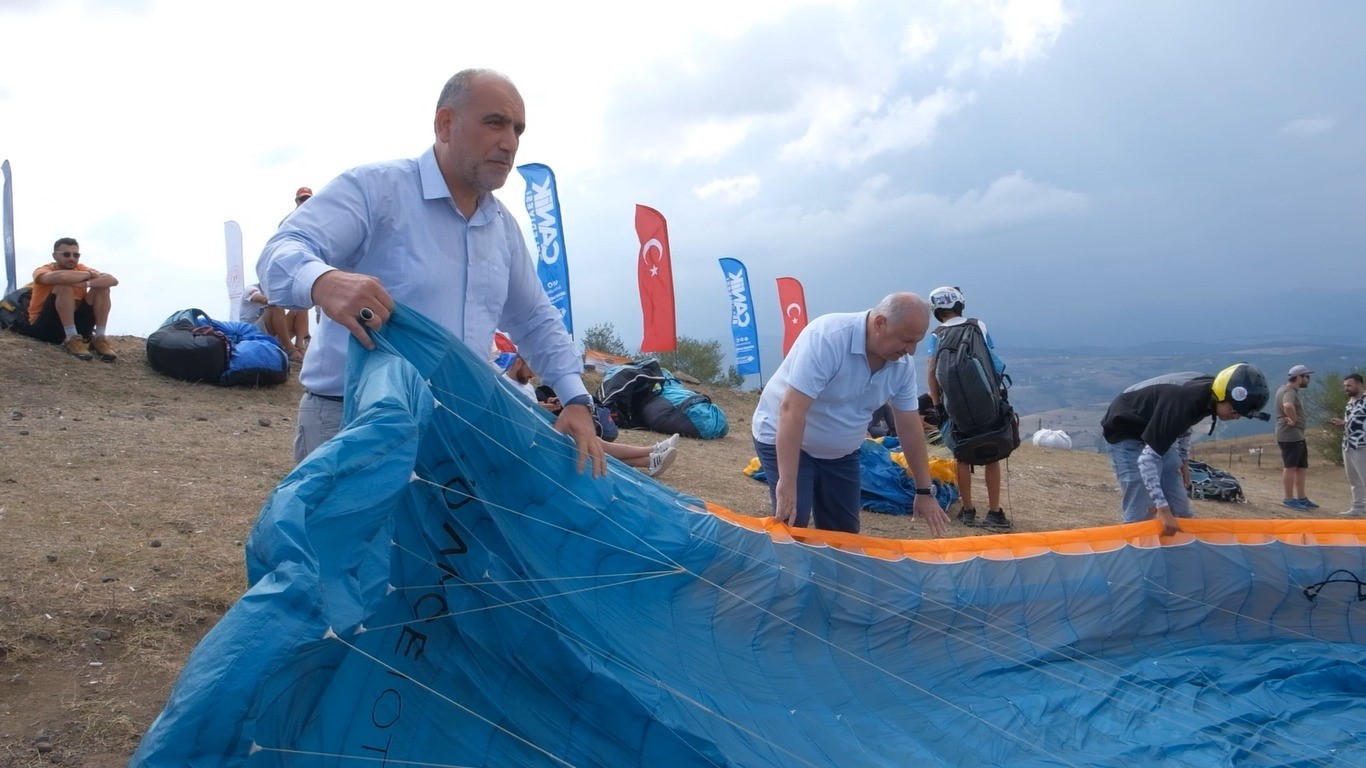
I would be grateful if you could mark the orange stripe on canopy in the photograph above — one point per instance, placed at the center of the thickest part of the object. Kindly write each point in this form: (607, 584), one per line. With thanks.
(1006, 546)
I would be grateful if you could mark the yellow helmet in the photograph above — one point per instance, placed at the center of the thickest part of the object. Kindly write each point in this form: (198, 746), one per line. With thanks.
(1243, 385)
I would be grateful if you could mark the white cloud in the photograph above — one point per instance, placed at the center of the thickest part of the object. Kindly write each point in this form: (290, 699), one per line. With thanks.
(1028, 29)
(979, 36)
(710, 140)
(732, 190)
(848, 128)
(1306, 127)
(919, 41)
(1010, 200)
(1007, 202)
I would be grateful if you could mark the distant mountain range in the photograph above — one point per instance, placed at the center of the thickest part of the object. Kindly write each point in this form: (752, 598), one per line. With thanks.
(1070, 389)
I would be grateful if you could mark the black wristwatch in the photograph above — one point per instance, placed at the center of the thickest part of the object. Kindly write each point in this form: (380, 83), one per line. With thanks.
(585, 400)
(923, 491)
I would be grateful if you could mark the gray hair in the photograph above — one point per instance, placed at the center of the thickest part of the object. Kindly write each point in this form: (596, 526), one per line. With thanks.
(897, 307)
(456, 94)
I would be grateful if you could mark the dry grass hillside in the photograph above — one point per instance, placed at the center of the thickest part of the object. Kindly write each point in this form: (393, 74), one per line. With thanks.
(125, 498)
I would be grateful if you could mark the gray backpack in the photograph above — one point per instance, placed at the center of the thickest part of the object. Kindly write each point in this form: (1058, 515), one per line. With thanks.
(985, 428)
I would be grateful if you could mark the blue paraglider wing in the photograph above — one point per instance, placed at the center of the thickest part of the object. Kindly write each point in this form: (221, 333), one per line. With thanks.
(438, 586)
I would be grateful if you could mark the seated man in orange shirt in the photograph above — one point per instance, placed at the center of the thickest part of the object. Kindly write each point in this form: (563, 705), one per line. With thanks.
(70, 304)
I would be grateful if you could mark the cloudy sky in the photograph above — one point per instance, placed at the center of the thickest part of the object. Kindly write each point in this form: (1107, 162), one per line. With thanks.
(1087, 172)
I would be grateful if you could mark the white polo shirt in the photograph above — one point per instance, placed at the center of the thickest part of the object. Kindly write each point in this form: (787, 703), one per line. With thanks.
(829, 363)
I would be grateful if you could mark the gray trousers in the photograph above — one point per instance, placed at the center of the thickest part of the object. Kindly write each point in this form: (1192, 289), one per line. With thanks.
(1354, 460)
(319, 421)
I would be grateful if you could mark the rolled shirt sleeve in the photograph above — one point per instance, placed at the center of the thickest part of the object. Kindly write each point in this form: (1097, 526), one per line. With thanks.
(396, 221)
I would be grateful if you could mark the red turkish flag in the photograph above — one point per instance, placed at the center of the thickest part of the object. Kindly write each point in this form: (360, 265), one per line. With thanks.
(502, 343)
(793, 301)
(654, 274)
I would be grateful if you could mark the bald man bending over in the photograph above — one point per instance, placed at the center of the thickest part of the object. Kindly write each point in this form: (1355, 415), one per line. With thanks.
(813, 415)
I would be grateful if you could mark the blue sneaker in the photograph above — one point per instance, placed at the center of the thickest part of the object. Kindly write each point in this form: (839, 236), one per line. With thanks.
(1306, 503)
(1294, 504)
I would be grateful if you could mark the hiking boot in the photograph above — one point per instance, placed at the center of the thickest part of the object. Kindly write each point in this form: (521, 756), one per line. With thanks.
(667, 444)
(1294, 504)
(968, 516)
(996, 521)
(660, 462)
(77, 348)
(1307, 503)
(103, 349)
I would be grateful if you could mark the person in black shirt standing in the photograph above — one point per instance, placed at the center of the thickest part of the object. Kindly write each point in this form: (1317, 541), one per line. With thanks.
(1148, 427)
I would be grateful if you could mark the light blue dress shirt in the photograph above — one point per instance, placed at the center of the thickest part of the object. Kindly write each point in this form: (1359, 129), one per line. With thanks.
(829, 363)
(396, 221)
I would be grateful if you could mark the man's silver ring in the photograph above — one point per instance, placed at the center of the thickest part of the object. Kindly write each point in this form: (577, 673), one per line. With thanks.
(366, 315)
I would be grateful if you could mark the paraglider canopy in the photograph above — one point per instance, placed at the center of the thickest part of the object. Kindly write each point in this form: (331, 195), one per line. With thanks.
(438, 586)
(1053, 438)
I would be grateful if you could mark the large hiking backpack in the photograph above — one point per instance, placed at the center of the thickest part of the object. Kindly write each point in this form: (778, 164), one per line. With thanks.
(191, 346)
(626, 388)
(189, 352)
(14, 307)
(974, 394)
(679, 409)
(642, 395)
(1213, 483)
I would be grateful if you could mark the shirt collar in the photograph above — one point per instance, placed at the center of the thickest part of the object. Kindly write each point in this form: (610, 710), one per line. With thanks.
(858, 345)
(434, 188)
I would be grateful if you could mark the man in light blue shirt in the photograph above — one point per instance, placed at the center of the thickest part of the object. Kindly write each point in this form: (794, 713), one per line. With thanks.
(813, 415)
(427, 232)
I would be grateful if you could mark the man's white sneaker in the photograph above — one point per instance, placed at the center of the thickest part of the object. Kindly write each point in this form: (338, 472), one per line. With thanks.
(1349, 512)
(667, 444)
(660, 462)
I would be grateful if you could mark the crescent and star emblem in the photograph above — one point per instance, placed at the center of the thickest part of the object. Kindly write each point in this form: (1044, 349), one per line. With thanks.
(658, 248)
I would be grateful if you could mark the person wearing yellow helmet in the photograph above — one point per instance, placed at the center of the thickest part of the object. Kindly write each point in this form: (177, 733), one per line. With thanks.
(1148, 428)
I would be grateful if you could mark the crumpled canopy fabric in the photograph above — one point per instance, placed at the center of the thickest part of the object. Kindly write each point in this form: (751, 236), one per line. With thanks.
(437, 586)
(1053, 438)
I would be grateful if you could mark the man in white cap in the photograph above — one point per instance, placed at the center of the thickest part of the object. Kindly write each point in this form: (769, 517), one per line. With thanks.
(1290, 438)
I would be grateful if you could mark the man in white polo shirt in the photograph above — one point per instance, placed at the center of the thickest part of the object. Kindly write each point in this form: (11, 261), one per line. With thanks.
(813, 415)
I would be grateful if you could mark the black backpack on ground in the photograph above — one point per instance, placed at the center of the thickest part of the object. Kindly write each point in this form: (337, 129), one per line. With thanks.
(14, 308)
(627, 388)
(985, 428)
(662, 416)
(1213, 483)
(189, 352)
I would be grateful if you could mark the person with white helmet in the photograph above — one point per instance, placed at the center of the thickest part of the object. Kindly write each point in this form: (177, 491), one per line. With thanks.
(948, 303)
(1148, 428)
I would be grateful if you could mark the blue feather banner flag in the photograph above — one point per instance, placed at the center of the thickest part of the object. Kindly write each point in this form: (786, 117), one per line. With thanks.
(742, 323)
(8, 195)
(552, 266)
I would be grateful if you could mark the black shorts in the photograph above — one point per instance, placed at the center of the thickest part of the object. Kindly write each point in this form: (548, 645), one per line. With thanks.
(1294, 455)
(48, 326)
